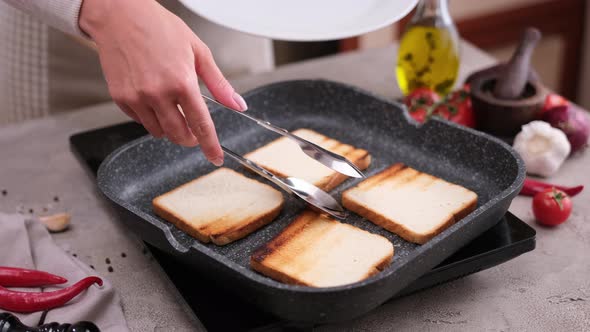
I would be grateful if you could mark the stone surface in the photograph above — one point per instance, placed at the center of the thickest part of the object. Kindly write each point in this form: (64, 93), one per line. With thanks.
(544, 290)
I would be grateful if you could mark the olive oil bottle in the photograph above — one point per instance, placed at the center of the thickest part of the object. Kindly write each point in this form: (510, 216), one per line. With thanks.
(429, 50)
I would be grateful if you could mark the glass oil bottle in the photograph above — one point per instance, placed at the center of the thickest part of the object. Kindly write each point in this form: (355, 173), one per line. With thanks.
(429, 50)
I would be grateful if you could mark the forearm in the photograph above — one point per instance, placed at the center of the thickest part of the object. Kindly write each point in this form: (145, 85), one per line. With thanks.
(60, 14)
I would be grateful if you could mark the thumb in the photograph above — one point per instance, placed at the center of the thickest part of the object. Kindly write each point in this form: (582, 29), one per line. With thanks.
(217, 84)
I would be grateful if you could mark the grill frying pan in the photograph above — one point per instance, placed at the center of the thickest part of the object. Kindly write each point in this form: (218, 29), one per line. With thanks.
(146, 168)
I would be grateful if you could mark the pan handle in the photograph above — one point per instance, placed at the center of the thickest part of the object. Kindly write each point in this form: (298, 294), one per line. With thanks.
(173, 241)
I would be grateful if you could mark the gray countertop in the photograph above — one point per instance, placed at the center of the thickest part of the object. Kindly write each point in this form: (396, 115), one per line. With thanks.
(544, 290)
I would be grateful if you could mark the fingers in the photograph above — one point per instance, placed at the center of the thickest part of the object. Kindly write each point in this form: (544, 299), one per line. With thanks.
(150, 122)
(155, 102)
(201, 124)
(130, 103)
(174, 124)
(130, 113)
(211, 75)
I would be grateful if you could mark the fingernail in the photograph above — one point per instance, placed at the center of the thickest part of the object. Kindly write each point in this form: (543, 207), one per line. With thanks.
(240, 101)
(217, 162)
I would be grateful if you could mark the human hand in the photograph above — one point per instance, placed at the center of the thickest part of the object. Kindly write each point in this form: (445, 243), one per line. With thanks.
(151, 61)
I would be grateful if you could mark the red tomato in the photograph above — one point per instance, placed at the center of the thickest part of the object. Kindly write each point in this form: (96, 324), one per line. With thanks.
(427, 96)
(554, 100)
(457, 107)
(419, 114)
(419, 101)
(552, 207)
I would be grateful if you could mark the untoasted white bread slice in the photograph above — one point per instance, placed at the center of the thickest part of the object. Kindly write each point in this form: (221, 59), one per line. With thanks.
(318, 251)
(409, 203)
(284, 158)
(222, 206)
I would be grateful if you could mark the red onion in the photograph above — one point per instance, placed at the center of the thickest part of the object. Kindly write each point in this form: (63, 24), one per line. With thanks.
(572, 121)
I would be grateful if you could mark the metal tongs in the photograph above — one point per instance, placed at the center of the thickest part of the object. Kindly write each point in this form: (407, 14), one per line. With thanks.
(316, 152)
(300, 188)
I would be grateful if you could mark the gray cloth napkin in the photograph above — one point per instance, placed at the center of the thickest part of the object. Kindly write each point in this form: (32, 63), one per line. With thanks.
(27, 244)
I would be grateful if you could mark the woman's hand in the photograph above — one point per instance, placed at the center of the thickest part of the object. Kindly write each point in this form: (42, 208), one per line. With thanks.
(151, 60)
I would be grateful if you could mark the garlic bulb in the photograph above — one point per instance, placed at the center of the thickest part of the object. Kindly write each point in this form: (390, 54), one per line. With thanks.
(542, 147)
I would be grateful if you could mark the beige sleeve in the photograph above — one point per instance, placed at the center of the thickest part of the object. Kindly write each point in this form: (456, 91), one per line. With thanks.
(60, 14)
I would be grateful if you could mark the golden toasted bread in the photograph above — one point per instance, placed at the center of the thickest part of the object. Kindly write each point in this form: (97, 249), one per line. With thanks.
(222, 206)
(283, 157)
(318, 251)
(414, 205)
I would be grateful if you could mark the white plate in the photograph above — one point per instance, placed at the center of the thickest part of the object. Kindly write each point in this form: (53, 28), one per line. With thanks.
(302, 20)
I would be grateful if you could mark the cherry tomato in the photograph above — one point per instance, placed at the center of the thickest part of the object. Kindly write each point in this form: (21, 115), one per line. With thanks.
(419, 102)
(419, 113)
(427, 95)
(457, 107)
(552, 207)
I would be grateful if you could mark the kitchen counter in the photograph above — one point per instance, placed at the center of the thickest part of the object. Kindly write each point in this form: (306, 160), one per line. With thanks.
(544, 290)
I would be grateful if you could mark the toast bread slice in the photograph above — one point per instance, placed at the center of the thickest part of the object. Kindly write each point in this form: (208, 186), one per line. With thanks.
(283, 157)
(414, 205)
(222, 206)
(318, 251)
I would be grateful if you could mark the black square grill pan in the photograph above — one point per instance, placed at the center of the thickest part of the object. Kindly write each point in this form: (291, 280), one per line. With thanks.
(145, 168)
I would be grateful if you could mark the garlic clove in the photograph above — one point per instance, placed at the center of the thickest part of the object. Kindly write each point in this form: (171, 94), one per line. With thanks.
(57, 222)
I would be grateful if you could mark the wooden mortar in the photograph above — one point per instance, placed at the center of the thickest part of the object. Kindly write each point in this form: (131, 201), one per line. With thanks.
(505, 117)
(509, 95)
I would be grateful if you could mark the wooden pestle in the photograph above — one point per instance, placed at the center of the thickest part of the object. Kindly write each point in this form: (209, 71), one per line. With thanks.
(512, 80)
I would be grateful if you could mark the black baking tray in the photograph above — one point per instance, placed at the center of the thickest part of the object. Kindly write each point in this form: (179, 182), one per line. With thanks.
(147, 167)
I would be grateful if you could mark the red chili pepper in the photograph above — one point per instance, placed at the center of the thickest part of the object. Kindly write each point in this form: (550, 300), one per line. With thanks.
(17, 277)
(38, 301)
(532, 187)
